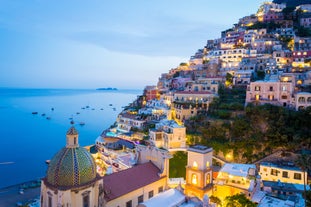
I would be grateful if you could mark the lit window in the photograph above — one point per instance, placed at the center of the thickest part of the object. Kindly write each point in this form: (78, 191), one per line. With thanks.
(207, 164)
(297, 176)
(195, 164)
(194, 179)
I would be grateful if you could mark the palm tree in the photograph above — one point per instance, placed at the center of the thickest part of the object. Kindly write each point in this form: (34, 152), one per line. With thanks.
(304, 162)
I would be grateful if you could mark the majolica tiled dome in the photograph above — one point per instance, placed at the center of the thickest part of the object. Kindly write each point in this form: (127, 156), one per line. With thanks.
(71, 166)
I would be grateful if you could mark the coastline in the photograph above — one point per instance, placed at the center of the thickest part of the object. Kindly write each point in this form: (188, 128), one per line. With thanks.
(10, 196)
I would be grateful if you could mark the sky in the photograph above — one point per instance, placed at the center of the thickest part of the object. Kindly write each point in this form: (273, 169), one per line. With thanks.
(125, 44)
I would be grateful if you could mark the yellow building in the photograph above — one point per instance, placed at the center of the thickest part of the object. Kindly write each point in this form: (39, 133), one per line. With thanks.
(199, 171)
(284, 174)
(140, 183)
(234, 179)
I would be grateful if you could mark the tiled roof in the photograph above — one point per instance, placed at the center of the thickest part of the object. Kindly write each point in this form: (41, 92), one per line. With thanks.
(121, 183)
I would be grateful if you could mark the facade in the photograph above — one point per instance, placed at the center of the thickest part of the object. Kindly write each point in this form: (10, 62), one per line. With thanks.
(71, 178)
(276, 92)
(234, 179)
(168, 134)
(138, 184)
(151, 92)
(194, 97)
(284, 174)
(184, 112)
(302, 100)
(127, 121)
(199, 171)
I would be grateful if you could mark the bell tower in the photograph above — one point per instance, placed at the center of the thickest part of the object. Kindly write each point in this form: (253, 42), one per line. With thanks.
(72, 136)
(199, 171)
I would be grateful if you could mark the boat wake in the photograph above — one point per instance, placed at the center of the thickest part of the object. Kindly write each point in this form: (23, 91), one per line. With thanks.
(6, 163)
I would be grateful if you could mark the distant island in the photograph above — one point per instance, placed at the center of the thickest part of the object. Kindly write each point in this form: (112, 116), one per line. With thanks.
(107, 89)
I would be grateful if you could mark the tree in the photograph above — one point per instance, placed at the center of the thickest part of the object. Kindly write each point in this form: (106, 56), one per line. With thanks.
(215, 199)
(238, 200)
(304, 162)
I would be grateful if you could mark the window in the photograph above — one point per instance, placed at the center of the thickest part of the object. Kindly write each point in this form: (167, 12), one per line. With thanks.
(257, 88)
(140, 199)
(160, 190)
(150, 194)
(129, 203)
(50, 201)
(271, 88)
(297, 176)
(194, 179)
(86, 199)
(195, 165)
(284, 88)
(285, 174)
(274, 172)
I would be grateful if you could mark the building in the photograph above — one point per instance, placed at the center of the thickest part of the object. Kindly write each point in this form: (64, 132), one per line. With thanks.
(282, 173)
(126, 121)
(302, 100)
(168, 134)
(276, 92)
(151, 92)
(140, 183)
(234, 179)
(71, 178)
(199, 171)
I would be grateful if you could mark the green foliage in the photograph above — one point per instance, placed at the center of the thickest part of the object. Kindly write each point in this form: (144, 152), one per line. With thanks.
(253, 133)
(260, 75)
(303, 32)
(216, 200)
(238, 200)
(178, 164)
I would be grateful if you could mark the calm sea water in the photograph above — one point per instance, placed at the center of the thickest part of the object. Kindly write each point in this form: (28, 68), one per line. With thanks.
(27, 140)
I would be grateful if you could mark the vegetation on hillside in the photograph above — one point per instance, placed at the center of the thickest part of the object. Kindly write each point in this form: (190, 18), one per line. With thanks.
(251, 133)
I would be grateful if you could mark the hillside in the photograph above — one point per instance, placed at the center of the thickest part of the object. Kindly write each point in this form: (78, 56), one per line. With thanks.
(291, 3)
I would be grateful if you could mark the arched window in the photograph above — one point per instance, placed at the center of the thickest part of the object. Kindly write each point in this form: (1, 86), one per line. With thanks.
(194, 179)
(301, 100)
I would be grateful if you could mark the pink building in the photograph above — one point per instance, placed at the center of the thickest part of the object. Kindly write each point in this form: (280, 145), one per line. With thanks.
(151, 92)
(272, 16)
(276, 92)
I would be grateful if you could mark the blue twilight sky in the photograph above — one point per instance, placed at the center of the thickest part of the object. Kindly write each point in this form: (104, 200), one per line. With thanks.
(106, 43)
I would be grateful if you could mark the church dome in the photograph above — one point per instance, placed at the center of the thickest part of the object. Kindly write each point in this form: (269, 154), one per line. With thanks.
(72, 166)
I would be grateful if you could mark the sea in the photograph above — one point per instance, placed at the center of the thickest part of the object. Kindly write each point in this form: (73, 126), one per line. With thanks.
(34, 122)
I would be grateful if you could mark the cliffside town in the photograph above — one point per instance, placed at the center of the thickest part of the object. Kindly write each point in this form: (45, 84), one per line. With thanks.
(230, 127)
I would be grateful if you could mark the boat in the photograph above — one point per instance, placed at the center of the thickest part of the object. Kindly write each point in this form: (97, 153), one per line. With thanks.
(110, 104)
(114, 109)
(34, 112)
(82, 123)
(42, 114)
(48, 118)
(72, 122)
(78, 113)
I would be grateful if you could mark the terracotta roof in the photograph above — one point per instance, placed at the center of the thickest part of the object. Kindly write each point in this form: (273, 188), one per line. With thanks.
(121, 183)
